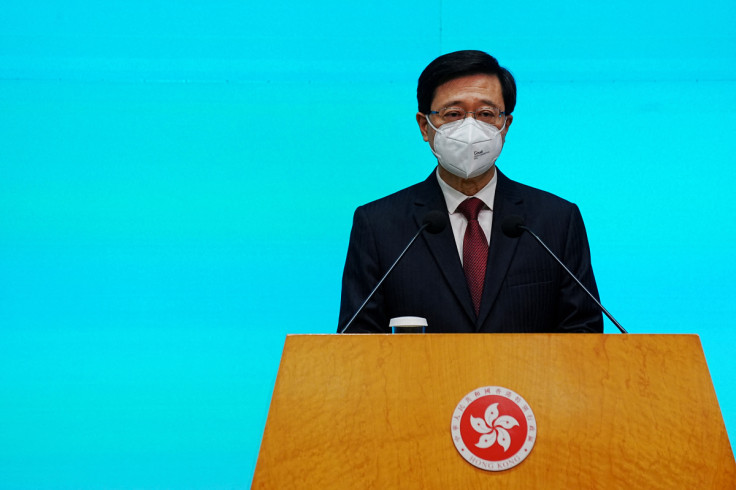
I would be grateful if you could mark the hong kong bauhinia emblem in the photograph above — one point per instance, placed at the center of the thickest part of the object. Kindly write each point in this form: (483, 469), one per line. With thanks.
(493, 428)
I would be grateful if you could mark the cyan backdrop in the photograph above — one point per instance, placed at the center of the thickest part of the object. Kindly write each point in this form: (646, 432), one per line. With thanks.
(177, 181)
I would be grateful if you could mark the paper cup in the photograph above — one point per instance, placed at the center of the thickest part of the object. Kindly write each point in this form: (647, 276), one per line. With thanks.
(408, 324)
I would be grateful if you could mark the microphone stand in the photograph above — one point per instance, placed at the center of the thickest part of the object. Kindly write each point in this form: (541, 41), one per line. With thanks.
(421, 229)
(610, 317)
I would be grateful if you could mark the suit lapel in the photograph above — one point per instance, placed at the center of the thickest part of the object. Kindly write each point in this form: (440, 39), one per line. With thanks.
(501, 248)
(442, 245)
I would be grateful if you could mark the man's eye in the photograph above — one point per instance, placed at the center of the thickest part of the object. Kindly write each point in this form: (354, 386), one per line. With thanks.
(453, 114)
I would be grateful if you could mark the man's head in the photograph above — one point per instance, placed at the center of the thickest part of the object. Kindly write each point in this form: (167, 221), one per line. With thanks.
(473, 96)
(460, 64)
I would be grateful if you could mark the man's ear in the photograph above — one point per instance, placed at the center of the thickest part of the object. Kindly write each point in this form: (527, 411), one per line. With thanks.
(422, 122)
(509, 120)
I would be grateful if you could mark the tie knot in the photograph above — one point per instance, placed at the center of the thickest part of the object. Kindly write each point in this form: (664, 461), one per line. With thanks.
(471, 208)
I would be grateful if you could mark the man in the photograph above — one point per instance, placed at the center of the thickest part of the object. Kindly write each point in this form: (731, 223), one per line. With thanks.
(470, 277)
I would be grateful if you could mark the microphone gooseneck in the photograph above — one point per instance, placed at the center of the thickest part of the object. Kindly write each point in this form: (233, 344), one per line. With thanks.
(433, 222)
(513, 227)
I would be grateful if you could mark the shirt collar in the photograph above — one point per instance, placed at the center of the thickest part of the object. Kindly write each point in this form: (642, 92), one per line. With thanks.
(453, 197)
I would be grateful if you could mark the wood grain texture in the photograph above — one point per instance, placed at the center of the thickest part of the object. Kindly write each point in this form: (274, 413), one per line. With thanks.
(613, 411)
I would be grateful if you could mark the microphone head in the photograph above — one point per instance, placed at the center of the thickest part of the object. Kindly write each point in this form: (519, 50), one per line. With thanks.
(436, 221)
(512, 226)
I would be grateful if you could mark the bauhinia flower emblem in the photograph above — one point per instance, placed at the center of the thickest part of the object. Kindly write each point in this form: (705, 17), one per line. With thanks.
(493, 429)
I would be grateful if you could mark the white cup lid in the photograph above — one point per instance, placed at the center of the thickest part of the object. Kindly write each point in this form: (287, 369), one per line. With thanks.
(408, 321)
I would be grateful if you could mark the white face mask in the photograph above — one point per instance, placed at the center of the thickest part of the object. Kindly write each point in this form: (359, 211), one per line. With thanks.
(467, 148)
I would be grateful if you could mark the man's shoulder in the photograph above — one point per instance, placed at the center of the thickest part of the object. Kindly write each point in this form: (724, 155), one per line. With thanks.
(407, 197)
(512, 189)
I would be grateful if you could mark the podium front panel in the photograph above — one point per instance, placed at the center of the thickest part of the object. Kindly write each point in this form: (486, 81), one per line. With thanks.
(612, 411)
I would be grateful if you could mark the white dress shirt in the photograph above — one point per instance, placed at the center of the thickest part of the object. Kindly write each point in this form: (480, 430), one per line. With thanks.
(459, 223)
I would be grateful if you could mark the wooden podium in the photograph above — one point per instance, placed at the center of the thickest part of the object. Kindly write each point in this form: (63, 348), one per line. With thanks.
(612, 411)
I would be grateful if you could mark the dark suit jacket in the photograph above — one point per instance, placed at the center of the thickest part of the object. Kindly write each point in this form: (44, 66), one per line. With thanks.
(525, 289)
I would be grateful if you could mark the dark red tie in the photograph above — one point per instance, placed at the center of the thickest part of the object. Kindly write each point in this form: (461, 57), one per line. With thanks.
(475, 250)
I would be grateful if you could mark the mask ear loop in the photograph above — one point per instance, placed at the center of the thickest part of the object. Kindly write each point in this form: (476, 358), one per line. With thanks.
(432, 125)
(436, 130)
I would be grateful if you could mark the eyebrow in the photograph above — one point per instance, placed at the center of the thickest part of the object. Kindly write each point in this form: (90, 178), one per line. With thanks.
(459, 102)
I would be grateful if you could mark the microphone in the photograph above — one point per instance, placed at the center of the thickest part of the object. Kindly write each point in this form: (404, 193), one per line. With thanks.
(436, 221)
(513, 227)
(433, 222)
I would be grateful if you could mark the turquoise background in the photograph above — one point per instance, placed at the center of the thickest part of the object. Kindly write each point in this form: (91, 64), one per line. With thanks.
(177, 181)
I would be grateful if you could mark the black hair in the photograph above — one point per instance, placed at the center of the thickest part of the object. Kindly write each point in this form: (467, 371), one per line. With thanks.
(462, 64)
